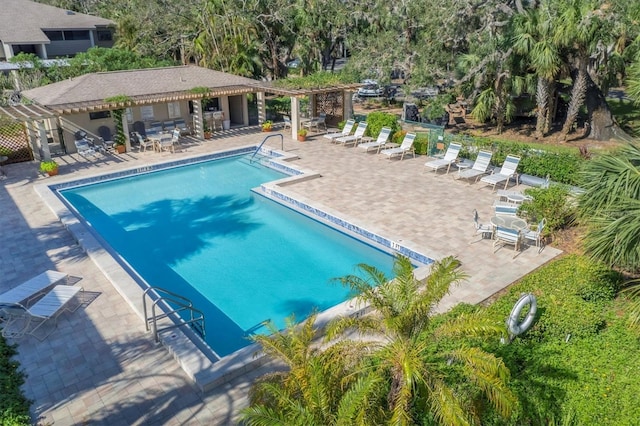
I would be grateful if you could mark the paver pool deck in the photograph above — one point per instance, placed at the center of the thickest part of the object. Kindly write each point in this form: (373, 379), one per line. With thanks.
(100, 366)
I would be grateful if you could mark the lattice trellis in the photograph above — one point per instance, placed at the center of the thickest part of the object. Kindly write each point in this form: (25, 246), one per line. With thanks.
(331, 103)
(14, 143)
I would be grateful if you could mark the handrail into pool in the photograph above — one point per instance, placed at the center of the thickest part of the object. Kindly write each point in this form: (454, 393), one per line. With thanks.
(264, 140)
(183, 304)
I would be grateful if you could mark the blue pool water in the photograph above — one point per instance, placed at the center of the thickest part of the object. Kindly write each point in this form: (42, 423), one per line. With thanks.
(199, 231)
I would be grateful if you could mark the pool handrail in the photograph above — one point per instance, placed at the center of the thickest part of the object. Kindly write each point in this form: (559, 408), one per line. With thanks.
(264, 140)
(197, 322)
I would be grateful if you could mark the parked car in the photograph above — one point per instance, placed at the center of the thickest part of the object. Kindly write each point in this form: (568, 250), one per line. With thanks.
(293, 64)
(370, 89)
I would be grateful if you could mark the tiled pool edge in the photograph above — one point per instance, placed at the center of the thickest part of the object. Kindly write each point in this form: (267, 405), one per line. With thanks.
(205, 373)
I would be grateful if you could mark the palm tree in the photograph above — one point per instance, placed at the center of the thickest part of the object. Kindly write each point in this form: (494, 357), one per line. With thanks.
(610, 207)
(534, 39)
(319, 387)
(583, 28)
(406, 346)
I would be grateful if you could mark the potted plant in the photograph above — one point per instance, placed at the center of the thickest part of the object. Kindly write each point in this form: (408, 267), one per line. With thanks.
(206, 130)
(120, 146)
(267, 126)
(49, 167)
(302, 134)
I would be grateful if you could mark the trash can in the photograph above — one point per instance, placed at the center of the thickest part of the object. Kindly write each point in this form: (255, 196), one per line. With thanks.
(226, 124)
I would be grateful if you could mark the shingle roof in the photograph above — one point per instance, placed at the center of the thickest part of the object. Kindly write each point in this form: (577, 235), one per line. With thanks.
(150, 84)
(22, 21)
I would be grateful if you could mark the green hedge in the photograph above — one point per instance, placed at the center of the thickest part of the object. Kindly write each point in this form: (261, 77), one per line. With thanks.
(377, 120)
(561, 164)
(14, 407)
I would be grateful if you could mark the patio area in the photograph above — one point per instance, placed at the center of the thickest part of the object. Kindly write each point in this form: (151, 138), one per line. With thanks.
(101, 367)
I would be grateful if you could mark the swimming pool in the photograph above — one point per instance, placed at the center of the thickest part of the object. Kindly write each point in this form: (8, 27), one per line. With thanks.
(198, 230)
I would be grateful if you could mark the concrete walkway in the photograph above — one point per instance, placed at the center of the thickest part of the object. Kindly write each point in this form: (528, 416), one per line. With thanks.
(100, 367)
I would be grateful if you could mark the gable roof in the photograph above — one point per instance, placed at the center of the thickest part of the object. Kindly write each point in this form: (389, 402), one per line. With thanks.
(150, 85)
(23, 21)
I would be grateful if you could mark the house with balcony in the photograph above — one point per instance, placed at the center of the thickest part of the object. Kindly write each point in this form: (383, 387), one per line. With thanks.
(49, 32)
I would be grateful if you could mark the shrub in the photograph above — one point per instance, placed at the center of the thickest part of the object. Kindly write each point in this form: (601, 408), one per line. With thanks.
(551, 203)
(377, 120)
(14, 407)
(421, 143)
(398, 136)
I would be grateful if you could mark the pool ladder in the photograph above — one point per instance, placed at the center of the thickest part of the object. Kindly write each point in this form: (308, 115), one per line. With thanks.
(173, 304)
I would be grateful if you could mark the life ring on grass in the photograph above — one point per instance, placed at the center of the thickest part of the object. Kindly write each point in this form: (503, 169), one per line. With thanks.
(513, 322)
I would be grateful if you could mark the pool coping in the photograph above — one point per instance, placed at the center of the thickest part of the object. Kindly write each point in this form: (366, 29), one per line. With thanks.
(208, 371)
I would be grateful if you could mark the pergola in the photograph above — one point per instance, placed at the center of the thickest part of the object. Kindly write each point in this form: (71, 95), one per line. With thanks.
(92, 92)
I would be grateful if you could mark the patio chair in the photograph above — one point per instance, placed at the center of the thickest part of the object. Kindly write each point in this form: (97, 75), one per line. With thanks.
(287, 121)
(405, 147)
(483, 229)
(25, 292)
(83, 148)
(503, 236)
(354, 138)
(346, 131)
(383, 137)
(536, 234)
(506, 209)
(166, 143)
(27, 321)
(479, 167)
(449, 158)
(138, 127)
(182, 126)
(155, 127)
(321, 120)
(144, 142)
(106, 136)
(168, 125)
(507, 171)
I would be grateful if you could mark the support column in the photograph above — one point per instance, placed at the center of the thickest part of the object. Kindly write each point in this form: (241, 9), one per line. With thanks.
(295, 117)
(125, 130)
(262, 107)
(313, 108)
(347, 105)
(43, 142)
(198, 128)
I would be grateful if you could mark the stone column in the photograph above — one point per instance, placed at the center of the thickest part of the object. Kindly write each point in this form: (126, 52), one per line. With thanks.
(262, 107)
(43, 142)
(347, 105)
(295, 117)
(198, 128)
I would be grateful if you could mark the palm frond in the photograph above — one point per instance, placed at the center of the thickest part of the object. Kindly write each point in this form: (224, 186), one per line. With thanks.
(490, 374)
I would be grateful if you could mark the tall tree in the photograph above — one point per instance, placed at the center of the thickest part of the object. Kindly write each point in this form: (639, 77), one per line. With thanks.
(420, 372)
(534, 38)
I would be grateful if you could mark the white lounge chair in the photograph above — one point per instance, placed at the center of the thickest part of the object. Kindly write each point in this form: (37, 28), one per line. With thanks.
(405, 147)
(27, 321)
(383, 137)
(449, 158)
(355, 137)
(507, 171)
(479, 167)
(346, 131)
(25, 292)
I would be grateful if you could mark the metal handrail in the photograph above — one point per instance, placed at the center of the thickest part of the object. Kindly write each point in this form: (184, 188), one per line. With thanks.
(264, 140)
(182, 303)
